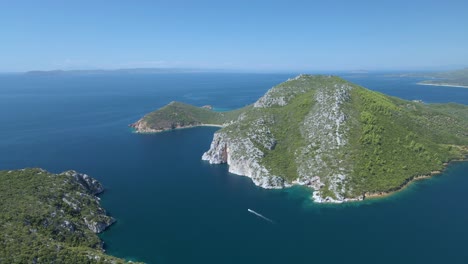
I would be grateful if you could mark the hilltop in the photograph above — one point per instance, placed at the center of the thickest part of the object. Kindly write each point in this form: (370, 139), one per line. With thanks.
(51, 218)
(344, 141)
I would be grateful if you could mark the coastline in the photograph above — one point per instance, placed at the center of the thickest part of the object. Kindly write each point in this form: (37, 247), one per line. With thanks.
(414, 179)
(401, 188)
(154, 131)
(445, 85)
(140, 127)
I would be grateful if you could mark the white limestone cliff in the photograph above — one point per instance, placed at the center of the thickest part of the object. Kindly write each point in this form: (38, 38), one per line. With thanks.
(324, 130)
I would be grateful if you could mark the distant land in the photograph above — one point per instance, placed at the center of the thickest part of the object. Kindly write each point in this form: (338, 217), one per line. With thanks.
(119, 71)
(344, 141)
(359, 72)
(457, 78)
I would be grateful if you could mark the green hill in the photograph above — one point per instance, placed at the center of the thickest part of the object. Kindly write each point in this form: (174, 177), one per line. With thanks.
(344, 141)
(180, 115)
(51, 218)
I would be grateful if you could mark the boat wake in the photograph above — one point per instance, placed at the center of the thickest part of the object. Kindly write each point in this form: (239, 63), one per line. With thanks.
(261, 216)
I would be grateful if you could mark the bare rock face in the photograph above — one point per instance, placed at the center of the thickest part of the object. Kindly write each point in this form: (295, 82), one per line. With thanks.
(324, 130)
(243, 158)
(99, 226)
(217, 154)
(141, 126)
(283, 93)
(89, 183)
(209, 107)
(96, 219)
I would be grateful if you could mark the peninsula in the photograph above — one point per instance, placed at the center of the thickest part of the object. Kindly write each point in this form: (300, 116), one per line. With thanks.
(340, 139)
(51, 218)
(458, 78)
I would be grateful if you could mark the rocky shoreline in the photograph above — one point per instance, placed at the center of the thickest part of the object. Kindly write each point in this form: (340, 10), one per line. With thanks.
(140, 127)
(247, 165)
(218, 159)
(243, 159)
(96, 221)
(57, 215)
(324, 133)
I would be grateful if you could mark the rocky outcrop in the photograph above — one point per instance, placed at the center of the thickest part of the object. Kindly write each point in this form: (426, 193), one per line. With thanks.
(283, 93)
(241, 144)
(243, 158)
(96, 219)
(141, 126)
(87, 182)
(217, 154)
(209, 107)
(57, 215)
(99, 226)
(324, 129)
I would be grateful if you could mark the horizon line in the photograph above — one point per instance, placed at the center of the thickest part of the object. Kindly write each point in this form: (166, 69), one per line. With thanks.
(223, 70)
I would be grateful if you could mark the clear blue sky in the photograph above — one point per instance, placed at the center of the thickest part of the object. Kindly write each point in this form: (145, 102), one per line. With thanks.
(236, 34)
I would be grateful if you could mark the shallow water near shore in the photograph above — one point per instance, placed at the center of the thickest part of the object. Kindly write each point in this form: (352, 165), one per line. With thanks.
(172, 207)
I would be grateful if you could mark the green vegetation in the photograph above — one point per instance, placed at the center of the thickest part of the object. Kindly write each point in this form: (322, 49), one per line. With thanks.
(287, 131)
(299, 127)
(288, 122)
(455, 78)
(176, 115)
(37, 225)
(396, 140)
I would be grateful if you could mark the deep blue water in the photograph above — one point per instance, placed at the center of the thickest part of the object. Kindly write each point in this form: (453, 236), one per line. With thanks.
(173, 208)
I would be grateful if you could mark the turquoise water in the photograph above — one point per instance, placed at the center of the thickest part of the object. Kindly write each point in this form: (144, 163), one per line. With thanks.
(172, 207)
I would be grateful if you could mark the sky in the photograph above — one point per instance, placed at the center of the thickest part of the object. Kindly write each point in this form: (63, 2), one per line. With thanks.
(233, 35)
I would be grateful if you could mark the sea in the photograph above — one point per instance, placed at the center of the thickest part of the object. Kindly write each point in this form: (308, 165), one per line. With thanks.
(172, 207)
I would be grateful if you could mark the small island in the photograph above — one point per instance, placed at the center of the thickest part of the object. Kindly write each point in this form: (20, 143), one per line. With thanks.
(51, 218)
(344, 141)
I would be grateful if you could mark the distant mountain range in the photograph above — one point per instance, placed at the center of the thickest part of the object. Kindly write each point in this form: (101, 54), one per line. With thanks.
(119, 71)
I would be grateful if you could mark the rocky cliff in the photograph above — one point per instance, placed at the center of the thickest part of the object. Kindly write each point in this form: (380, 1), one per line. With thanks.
(323, 129)
(54, 217)
(95, 219)
(340, 139)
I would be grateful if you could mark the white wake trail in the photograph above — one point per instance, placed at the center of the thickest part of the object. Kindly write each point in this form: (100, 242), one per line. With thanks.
(261, 216)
